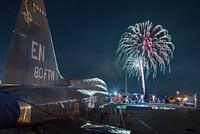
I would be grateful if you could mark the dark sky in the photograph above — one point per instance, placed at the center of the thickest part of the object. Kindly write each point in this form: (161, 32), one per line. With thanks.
(86, 35)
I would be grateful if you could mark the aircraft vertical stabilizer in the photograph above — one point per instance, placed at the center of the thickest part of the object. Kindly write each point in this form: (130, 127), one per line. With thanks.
(31, 60)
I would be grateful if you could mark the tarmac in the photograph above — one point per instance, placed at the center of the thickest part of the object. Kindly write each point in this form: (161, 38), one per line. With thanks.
(137, 119)
(179, 121)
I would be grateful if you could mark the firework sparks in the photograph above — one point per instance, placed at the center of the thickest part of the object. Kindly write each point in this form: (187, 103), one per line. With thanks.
(144, 48)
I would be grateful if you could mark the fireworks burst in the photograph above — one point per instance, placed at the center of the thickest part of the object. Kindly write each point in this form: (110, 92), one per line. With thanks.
(144, 48)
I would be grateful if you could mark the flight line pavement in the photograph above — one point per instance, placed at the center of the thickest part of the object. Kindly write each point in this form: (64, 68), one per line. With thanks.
(180, 120)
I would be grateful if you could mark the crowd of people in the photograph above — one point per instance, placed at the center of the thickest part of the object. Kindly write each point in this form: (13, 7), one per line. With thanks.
(136, 98)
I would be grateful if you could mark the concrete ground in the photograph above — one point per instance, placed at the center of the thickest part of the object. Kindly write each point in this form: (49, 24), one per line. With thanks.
(139, 121)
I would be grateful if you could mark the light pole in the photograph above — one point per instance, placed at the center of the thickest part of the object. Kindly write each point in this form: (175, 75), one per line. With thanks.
(156, 87)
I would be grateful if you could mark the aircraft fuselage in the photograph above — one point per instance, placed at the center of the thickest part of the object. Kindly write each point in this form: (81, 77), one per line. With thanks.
(40, 104)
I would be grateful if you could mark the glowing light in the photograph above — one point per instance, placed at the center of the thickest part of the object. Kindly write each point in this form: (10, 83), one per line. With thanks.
(178, 98)
(115, 93)
(185, 99)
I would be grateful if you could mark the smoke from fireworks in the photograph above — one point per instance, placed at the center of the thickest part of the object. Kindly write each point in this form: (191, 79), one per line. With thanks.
(144, 48)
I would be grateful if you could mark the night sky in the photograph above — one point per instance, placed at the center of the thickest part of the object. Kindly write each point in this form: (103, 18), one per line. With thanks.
(86, 35)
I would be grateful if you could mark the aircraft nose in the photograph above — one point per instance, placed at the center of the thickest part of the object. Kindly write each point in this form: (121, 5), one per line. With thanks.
(9, 110)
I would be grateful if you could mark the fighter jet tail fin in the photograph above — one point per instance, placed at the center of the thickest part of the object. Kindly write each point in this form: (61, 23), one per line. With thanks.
(32, 60)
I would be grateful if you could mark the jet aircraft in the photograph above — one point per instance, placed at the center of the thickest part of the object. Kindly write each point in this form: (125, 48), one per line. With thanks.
(32, 91)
